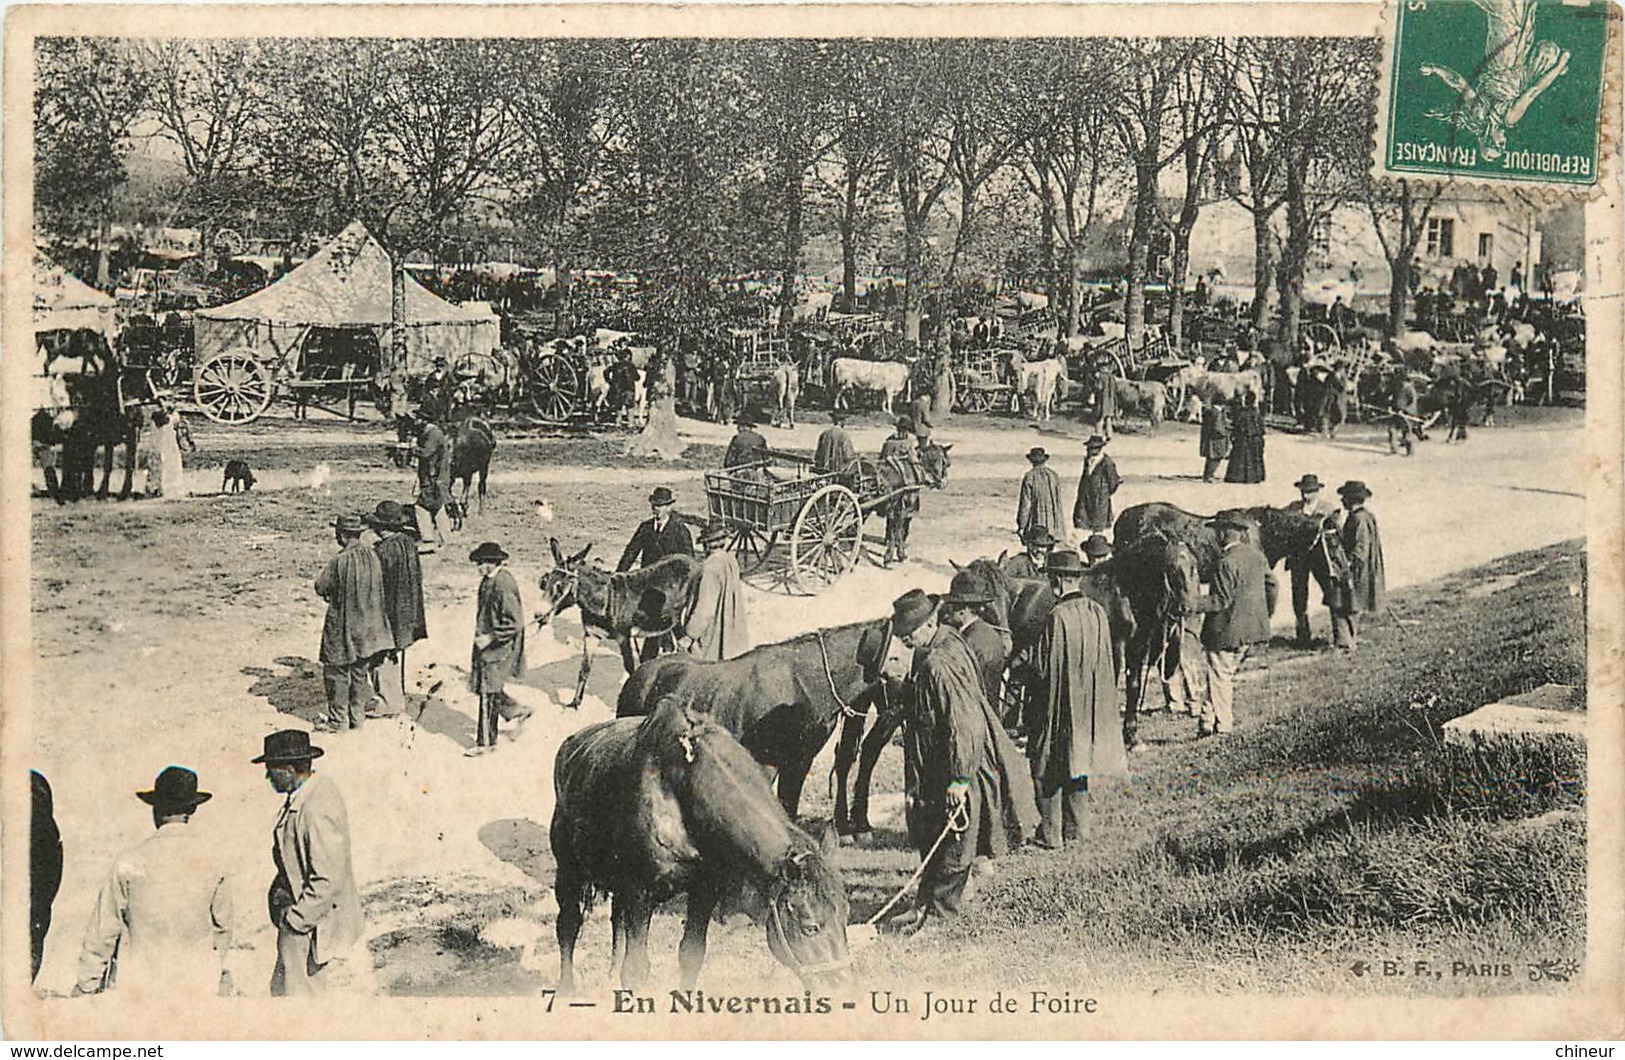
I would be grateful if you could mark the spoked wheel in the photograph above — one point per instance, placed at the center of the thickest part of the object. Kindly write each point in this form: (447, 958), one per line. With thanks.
(555, 388)
(750, 547)
(233, 387)
(825, 539)
(975, 399)
(1321, 338)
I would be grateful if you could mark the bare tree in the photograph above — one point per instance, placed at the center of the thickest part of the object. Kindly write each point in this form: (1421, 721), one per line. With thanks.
(1399, 213)
(915, 104)
(1201, 97)
(857, 158)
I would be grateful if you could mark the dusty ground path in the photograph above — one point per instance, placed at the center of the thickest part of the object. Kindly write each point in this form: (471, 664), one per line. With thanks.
(152, 665)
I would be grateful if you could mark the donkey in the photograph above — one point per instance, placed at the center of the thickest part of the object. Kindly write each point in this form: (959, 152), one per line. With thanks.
(648, 601)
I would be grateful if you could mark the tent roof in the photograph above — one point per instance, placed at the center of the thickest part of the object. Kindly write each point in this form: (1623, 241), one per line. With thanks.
(345, 284)
(57, 289)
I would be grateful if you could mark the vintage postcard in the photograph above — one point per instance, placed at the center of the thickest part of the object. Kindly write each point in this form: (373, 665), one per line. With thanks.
(852, 522)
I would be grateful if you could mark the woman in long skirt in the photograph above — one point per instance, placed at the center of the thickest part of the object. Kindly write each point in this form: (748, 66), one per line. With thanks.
(1247, 441)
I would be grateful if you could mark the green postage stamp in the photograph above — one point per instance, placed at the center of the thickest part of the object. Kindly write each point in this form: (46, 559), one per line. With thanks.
(1495, 90)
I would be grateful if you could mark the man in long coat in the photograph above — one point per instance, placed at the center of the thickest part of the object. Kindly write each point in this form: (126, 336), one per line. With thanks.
(1093, 511)
(968, 782)
(1367, 587)
(835, 451)
(962, 610)
(1040, 501)
(1300, 565)
(747, 445)
(397, 550)
(898, 449)
(658, 536)
(1237, 615)
(1074, 724)
(163, 917)
(434, 474)
(313, 899)
(499, 645)
(355, 631)
(714, 626)
(1215, 438)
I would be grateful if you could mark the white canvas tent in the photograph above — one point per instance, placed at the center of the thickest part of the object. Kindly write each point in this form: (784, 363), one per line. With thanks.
(345, 285)
(63, 301)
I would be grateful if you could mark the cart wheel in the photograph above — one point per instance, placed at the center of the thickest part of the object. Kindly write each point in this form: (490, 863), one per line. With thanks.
(555, 388)
(975, 399)
(750, 547)
(233, 387)
(1320, 338)
(825, 538)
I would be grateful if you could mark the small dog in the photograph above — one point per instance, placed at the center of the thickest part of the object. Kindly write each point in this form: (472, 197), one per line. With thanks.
(239, 478)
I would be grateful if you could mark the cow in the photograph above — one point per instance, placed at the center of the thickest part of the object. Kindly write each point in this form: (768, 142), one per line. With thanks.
(890, 378)
(1222, 386)
(1148, 399)
(1039, 378)
(786, 389)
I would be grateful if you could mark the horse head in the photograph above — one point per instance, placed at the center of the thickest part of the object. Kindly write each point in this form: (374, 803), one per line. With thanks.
(934, 461)
(560, 585)
(807, 913)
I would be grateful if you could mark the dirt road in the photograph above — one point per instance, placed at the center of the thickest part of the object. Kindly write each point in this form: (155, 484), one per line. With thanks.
(183, 632)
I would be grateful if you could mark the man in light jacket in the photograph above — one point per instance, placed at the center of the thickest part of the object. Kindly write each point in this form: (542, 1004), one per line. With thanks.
(1238, 616)
(714, 627)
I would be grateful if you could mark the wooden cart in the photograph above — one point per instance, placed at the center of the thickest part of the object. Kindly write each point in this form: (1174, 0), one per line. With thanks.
(807, 524)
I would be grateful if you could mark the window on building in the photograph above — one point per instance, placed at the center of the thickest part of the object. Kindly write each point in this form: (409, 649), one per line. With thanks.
(1486, 246)
(1441, 237)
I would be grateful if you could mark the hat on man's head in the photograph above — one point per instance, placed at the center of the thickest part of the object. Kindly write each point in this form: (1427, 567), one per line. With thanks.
(1064, 561)
(1038, 535)
(662, 495)
(909, 611)
(1095, 443)
(967, 589)
(1308, 484)
(745, 419)
(714, 533)
(1354, 488)
(388, 515)
(287, 745)
(1097, 546)
(488, 552)
(837, 415)
(349, 524)
(1227, 521)
(175, 788)
(905, 423)
(1037, 454)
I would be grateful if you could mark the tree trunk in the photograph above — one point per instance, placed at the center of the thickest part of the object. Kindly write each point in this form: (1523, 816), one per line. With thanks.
(849, 245)
(1054, 284)
(913, 273)
(790, 260)
(397, 315)
(1294, 259)
(659, 435)
(1399, 295)
(1139, 250)
(1176, 282)
(1263, 268)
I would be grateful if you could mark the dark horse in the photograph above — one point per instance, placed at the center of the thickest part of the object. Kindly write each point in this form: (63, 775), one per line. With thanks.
(1282, 532)
(782, 701)
(104, 414)
(649, 601)
(651, 808)
(471, 447)
(1020, 606)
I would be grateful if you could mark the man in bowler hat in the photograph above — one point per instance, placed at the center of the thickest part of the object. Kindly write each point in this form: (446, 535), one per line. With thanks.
(1311, 502)
(1237, 615)
(499, 645)
(658, 536)
(1364, 591)
(162, 921)
(1039, 503)
(313, 899)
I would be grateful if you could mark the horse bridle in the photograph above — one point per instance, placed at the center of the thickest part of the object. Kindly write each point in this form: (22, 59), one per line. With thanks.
(563, 600)
(847, 710)
(776, 932)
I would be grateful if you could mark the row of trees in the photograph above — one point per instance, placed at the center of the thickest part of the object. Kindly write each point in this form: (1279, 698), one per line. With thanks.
(688, 160)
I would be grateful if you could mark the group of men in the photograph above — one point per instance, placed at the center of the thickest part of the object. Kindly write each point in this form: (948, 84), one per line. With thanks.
(1038, 507)
(162, 924)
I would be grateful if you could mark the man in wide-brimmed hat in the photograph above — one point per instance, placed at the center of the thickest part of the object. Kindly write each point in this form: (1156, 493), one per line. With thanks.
(313, 899)
(899, 449)
(1030, 564)
(1237, 614)
(963, 609)
(1039, 504)
(713, 625)
(1074, 714)
(969, 787)
(835, 453)
(1366, 589)
(1311, 502)
(1092, 513)
(1096, 550)
(397, 551)
(355, 631)
(658, 536)
(747, 445)
(499, 645)
(162, 922)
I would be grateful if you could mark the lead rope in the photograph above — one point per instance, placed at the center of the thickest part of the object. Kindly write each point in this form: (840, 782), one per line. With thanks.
(846, 708)
(958, 821)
